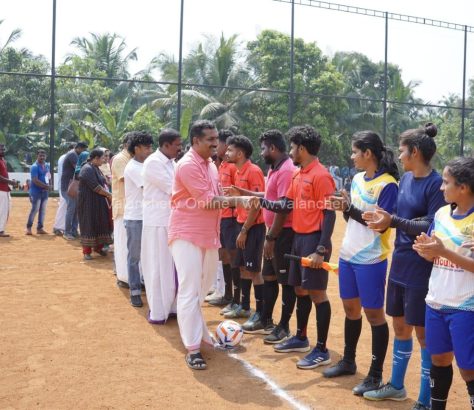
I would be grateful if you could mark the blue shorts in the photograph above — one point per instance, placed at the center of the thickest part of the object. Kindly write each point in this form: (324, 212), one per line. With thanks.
(451, 331)
(406, 301)
(366, 282)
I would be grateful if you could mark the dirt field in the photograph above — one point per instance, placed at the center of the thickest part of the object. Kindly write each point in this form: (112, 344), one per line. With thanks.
(70, 339)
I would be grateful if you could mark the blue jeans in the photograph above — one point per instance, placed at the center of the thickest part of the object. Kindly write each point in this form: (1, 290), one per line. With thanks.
(38, 204)
(70, 227)
(134, 245)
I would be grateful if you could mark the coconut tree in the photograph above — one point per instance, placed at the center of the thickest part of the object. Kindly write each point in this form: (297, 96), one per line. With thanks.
(107, 52)
(12, 37)
(219, 66)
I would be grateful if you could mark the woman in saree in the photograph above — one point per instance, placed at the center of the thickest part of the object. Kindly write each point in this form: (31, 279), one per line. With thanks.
(94, 207)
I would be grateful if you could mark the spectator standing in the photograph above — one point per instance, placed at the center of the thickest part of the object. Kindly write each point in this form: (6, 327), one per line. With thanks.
(60, 220)
(118, 203)
(5, 202)
(93, 207)
(67, 176)
(40, 183)
(140, 147)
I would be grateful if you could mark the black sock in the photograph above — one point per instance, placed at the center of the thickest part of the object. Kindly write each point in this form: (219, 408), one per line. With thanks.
(246, 285)
(270, 295)
(352, 330)
(228, 280)
(379, 349)
(323, 318)
(288, 301)
(470, 390)
(303, 309)
(258, 290)
(441, 379)
(236, 283)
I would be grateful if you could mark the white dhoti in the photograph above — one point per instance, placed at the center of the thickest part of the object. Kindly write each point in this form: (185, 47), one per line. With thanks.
(60, 220)
(5, 206)
(196, 269)
(159, 273)
(120, 250)
(219, 284)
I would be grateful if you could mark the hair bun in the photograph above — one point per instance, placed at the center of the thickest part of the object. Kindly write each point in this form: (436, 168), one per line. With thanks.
(431, 130)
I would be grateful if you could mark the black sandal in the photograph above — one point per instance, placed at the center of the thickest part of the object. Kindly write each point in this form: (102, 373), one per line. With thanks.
(195, 361)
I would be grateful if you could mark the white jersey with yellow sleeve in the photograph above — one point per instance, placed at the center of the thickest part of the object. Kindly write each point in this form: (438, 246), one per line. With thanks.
(450, 286)
(362, 245)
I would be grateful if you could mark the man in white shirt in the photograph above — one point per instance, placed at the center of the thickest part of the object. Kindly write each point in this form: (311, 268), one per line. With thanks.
(140, 147)
(157, 263)
(60, 220)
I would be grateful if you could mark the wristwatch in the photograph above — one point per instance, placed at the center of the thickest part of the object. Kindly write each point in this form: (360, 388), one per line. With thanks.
(321, 250)
(244, 229)
(270, 237)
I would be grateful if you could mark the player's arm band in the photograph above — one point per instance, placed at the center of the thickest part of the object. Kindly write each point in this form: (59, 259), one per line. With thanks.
(355, 214)
(327, 228)
(282, 206)
(411, 226)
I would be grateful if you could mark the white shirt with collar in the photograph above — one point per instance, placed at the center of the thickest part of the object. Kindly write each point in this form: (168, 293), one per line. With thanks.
(158, 175)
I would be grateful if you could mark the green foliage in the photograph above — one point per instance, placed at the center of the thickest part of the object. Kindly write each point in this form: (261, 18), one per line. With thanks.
(100, 111)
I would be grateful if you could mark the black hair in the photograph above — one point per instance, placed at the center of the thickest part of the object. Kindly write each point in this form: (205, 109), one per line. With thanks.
(168, 135)
(96, 153)
(422, 139)
(198, 127)
(365, 140)
(71, 146)
(139, 138)
(243, 143)
(82, 144)
(126, 138)
(40, 151)
(462, 170)
(306, 136)
(224, 135)
(275, 138)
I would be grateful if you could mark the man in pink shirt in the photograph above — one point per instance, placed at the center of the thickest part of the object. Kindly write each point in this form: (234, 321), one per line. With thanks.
(194, 235)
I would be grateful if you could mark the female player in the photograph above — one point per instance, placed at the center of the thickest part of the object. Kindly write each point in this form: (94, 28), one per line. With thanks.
(363, 256)
(419, 197)
(450, 299)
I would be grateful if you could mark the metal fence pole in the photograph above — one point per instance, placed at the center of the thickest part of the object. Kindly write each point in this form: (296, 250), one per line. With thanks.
(180, 68)
(292, 67)
(385, 81)
(52, 96)
(463, 112)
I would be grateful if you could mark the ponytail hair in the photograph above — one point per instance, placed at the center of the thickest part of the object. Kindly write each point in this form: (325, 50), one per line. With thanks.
(365, 140)
(422, 139)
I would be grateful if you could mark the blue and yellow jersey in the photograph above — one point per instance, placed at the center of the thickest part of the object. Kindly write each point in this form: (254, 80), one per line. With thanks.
(450, 286)
(362, 245)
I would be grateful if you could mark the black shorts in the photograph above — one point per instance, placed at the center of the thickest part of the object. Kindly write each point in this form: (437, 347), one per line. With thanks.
(408, 302)
(250, 258)
(307, 278)
(279, 266)
(229, 232)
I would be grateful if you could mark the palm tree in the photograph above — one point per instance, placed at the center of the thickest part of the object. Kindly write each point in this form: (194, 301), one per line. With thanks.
(216, 66)
(13, 36)
(107, 51)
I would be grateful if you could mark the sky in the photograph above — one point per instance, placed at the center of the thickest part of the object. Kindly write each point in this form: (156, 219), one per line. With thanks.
(431, 56)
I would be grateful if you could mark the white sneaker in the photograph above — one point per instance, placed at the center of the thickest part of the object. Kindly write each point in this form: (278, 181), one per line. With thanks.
(214, 295)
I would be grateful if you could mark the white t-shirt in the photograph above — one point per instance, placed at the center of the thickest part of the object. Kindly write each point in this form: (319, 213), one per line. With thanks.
(158, 175)
(133, 191)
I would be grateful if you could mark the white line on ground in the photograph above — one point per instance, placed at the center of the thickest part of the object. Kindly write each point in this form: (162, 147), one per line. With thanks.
(277, 390)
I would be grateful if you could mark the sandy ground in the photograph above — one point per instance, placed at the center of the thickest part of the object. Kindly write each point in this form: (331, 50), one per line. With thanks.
(70, 339)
